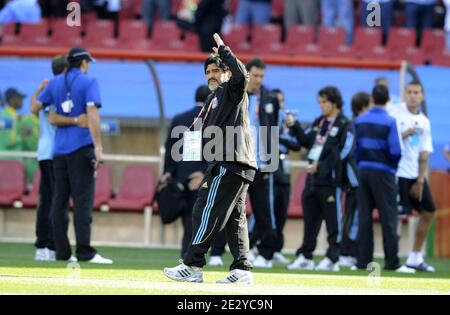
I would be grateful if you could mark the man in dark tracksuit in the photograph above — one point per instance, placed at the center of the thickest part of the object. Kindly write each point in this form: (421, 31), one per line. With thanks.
(188, 173)
(378, 152)
(360, 104)
(221, 199)
(263, 110)
(330, 141)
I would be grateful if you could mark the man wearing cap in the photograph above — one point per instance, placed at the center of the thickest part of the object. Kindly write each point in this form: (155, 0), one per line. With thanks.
(10, 136)
(77, 155)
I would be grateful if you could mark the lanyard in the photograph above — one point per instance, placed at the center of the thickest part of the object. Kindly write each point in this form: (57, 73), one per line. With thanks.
(200, 114)
(321, 139)
(69, 88)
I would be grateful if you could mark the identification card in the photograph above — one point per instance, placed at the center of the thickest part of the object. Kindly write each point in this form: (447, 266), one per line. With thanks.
(67, 106)
(314, 153)
(192, 146)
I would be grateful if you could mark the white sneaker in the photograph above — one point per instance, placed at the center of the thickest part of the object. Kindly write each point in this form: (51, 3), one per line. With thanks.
(327, 265)
(301, 263)
(238, 276)
(97, 259)
(261, 262)
(51, 255)
(215, 261)
(279, 258)
(424, 267)
(186, 273)
(251, 255)
(347, 261)
(404, 269)
(41, 254)
(73, 259)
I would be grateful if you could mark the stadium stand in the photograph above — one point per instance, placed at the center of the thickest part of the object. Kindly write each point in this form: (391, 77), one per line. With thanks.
(137, 186)
(11, 190)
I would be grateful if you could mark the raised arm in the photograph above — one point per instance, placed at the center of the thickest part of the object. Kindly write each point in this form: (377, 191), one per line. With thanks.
(35, 105)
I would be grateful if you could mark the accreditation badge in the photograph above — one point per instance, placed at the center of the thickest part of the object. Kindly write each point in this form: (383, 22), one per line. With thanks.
(192, 146)
(315, 152)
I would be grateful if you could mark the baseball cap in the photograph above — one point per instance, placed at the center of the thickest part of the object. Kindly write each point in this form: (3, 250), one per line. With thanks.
(12, 92)
(79, 54)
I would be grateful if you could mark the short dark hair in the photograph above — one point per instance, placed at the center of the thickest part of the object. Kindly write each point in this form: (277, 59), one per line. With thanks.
(333, 95)
(255, 62)
(277, 91)
(59, 64)
(416, 82)
(360, 101)
(75, 63)
(379, 79)
(380, 94)
(201, 94)
(217, 61)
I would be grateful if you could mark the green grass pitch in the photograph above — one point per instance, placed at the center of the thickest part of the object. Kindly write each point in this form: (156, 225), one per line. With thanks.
(139, 271)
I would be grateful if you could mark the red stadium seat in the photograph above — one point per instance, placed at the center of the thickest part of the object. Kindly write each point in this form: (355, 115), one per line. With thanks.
(413, 55)
(330, 37)
(277, 9)
(100, 34)
(237, 38)
(401, 38)
(32, 199)
(266, 38)
(233, 7)
(136, 190)
(433, 40)
(34, 34)
(166, 36)
(440, 58)
(64, 35)
(12, 182)
(295, 209)
(298, 35)
(130, 9)
(377, 52)
(103, 186)
(366, 38)
(133, 35)
(10, 38)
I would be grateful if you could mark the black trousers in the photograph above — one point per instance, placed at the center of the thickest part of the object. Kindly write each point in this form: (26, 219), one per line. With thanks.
(282, 194)
(186, 218)
(350, 225)
(220, 205)
(44, 231)
(74, 177)
(218, 245)
(377, 189)
(320, 203)
(263, 235)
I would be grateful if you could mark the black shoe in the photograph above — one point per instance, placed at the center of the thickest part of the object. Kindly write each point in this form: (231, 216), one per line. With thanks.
(424, 267)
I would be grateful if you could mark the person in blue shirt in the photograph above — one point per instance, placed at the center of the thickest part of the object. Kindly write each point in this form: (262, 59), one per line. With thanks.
(45, 248)
(20, 11)
(377, 153)
(77, 154)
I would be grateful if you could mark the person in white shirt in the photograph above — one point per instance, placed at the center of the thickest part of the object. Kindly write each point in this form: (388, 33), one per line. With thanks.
(447, 22)
(414, 191)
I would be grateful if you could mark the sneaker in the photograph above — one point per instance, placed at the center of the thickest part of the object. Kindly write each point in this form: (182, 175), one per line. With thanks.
(405, 269)
(261, 262)
(73, 259)
(301, 263)
(279, 258)
(424, 267)
(327, 265)
(97, 259)
(251, 255)
(41, 254)
(215, 261)
(347, 261)
(51, 255)
(186, 273)
(238, 276)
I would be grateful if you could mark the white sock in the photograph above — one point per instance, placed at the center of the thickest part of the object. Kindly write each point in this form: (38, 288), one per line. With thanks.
(414, 259)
